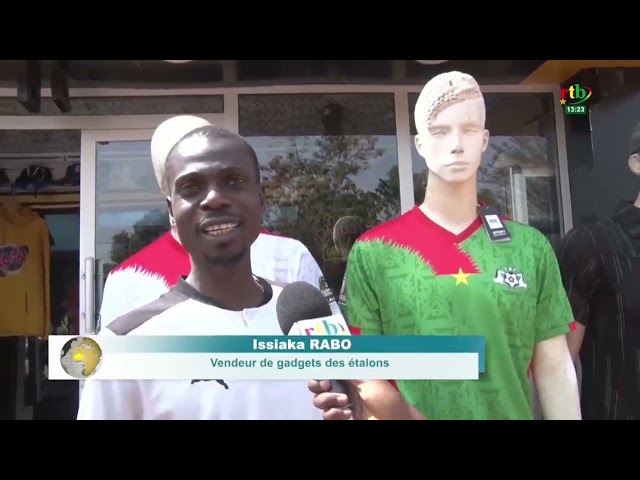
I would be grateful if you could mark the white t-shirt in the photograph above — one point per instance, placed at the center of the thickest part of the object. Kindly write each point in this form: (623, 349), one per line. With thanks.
(153, 270)
(184, 311)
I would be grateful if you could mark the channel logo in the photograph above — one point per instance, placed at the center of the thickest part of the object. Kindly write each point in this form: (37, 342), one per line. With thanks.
(573, 99)
(327, 326)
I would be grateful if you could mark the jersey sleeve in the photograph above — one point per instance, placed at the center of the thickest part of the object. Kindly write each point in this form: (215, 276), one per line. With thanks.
(553, 312)
(309, 271)
(579, 271)
(359, 297)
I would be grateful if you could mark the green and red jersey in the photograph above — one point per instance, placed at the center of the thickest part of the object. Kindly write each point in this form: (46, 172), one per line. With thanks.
(409, 276)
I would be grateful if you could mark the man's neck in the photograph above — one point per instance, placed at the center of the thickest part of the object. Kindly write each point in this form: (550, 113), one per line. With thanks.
(453, 206)
(637, 202)
(231, 285)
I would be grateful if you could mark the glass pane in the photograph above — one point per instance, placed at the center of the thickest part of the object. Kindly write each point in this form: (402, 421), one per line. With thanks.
(329, 165)
(130, 209)
(518, 173)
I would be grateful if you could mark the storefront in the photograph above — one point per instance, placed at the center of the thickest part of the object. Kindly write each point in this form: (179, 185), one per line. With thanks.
(334, 140)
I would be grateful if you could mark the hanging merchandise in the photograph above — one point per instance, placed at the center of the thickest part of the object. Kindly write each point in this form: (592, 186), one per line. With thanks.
(24, 271)
(34, 176)
(72, 175)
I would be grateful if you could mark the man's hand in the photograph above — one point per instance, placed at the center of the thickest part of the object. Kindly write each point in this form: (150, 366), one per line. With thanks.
(337, 406)
(368, 400)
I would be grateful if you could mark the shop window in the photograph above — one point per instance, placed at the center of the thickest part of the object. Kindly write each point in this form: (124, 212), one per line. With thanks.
(330, 168)
(39, 174)
(518, 173)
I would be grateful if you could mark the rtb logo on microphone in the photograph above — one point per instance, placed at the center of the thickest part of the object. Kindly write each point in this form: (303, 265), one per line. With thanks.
(327, 326)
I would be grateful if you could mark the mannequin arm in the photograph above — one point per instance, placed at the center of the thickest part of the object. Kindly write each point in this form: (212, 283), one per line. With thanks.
(556, 380)
(574, 339)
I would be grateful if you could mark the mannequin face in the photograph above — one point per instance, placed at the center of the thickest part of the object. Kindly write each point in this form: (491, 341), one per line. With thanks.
(453, 142)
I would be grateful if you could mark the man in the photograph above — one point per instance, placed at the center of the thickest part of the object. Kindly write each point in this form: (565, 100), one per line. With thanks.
(600, 265)
(436, 271)
(216, 203)
(150, 272)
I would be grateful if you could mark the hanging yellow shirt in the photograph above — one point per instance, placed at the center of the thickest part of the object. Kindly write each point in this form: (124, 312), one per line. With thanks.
(25, 300)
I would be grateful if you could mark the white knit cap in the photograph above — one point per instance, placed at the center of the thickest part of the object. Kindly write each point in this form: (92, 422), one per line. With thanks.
(166, 136)
(441, 91)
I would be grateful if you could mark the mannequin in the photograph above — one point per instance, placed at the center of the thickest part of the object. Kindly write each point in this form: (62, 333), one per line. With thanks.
(435, 271)
(600, 265)
(345, 232)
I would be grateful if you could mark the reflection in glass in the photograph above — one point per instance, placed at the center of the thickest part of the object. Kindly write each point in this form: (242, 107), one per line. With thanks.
(323, 158)
(518, 170)
(130, 209)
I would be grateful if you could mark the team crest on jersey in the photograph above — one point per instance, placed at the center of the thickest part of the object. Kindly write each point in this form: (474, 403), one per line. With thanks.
(326, 291)
(510, 277)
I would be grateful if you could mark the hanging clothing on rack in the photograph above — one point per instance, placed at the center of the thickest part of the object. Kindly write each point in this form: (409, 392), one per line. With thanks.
(25, 306)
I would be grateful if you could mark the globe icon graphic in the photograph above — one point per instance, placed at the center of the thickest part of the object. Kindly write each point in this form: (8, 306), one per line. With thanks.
(81, 357)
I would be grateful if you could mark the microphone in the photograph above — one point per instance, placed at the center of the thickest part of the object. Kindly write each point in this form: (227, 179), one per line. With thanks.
(303, 310)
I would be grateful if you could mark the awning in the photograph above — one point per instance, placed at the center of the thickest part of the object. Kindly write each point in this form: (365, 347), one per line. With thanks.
(557, 71)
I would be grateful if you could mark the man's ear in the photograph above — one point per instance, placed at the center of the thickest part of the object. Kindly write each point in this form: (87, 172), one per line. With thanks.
(634, 163)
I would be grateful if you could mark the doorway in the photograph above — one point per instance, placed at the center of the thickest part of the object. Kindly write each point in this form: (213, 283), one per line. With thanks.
(39, 185)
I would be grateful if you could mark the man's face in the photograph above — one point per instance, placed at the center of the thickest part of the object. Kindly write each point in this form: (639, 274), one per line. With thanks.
(453, 143)
(216, 201)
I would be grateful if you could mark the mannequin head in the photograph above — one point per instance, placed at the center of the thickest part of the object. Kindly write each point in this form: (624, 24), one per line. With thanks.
(450, 123)
(345, 232)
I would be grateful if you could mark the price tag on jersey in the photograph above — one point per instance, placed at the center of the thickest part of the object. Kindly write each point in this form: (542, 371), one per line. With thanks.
(495, 227)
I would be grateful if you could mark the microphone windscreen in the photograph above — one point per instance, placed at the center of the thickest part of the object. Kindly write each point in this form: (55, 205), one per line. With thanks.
(300, 301)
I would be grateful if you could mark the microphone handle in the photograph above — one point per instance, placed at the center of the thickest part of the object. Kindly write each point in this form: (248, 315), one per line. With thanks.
(337, 387)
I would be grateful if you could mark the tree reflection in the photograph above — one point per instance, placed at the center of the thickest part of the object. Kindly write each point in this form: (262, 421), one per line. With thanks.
(318, 180)
(145, 231)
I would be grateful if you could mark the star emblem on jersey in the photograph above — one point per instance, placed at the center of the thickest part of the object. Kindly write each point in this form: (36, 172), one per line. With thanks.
(461, 277)
(510, 277)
